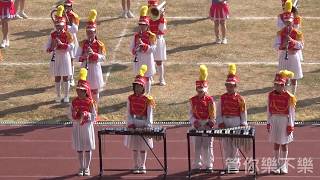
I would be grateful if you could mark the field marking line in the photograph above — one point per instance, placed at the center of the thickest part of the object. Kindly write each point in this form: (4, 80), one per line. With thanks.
(244, 18)
(214, 63)
(123, 32)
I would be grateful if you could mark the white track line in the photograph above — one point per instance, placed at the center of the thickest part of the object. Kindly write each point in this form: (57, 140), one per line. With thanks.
(120, 158)
(123, 32)
(214, 63)
(120, 141)
(192, 17)
(148, 176)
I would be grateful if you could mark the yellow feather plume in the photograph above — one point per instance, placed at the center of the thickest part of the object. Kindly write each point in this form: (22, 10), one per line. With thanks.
(60, 10)
(143, 70)
(92, 15)
(286, 73)
(288, 6)
(232, 69)
(143, 10)
(203, 72)
(83, 74)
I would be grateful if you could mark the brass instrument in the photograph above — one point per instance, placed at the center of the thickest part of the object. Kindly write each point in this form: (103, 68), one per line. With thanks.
(157, 11)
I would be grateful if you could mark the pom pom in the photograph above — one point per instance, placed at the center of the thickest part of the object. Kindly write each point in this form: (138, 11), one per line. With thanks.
(143, 70)
(288, 6)
(203, 72)
(286, 74)
(232, 69)
(92, 15)
(60, 10)
(144, 11)
(83, 74)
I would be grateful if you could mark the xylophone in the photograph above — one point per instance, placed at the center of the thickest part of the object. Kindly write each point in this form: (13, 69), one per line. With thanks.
(158, 133)
(239, 136)
(149, 132)
(242, 137)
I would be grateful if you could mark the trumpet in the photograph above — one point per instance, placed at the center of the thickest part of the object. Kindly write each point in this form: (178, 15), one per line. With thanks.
(157, 11)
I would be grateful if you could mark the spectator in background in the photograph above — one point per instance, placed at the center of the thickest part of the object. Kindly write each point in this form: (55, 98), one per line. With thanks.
(7, 12)
(20, 14)
(126, 9)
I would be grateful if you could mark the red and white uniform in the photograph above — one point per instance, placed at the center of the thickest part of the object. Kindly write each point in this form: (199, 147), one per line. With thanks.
(62, 63)
(231, 112)
(201, 112)
(83, 115)
(159, 28)
(281, 116)
(296, 21)
(139, 114)
(219, 10)
(95, 77)
(293, 63)
(7, 10)
(73, 29)
(145, 56)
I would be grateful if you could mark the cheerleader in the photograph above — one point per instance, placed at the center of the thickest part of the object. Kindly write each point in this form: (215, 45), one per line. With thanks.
(231, 112)
(7, 12)
(91, 53)
(202, 117)
(73, 21)
(83, 115)
(219, 13)
(288, 42)
(281, 117)
(143, 47)
(60, 43)
(139, 115)
(158, 26)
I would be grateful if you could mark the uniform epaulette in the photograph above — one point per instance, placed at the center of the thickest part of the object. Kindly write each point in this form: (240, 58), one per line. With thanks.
(151, 101)
(152, 37)
(69, 37)
(293, 99)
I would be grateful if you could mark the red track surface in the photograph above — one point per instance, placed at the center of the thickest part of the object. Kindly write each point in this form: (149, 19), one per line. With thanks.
(44, 152)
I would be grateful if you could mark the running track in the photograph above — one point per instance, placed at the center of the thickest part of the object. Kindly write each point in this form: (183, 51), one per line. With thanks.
(44, 152)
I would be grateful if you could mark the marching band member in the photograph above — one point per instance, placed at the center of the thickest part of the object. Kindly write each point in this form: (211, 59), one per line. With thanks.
(289, 9)
(219, 13)
(158, 26)
(289, 41)
(73, 21)
(7, 12)
(143, 46)
(83, 115)
(202, 117)
(139, 115)
(91, 53)
(281, 117)
(231, 112)
(60, 43)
